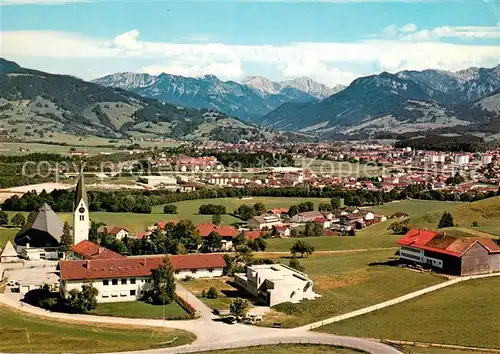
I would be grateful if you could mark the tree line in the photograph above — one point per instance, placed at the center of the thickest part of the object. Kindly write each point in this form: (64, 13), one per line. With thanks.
(143, 201)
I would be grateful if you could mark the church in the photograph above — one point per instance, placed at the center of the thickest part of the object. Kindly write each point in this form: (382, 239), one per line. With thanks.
(40, 237)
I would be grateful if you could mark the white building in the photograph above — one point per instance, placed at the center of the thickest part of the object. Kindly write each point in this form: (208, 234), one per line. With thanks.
(461, 159)
(155, 181)
(276, 283)
(8, 254)
(125, 279)
(81, 219)
(265, 221)
(435, 158)
(486, 159)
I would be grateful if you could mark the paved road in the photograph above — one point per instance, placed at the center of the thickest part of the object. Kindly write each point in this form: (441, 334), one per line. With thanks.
(213, 335)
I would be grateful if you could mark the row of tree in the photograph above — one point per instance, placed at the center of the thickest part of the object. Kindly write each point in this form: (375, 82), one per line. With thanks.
(142, 201)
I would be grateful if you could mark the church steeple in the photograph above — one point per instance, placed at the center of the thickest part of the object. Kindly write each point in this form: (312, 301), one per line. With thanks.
(81, 220)
(81, 192)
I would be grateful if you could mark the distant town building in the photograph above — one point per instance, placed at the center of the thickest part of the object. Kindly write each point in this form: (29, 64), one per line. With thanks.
(462, 159)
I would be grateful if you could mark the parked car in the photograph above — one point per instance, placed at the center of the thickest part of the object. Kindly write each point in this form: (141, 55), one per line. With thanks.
(252, 319)
(230, 319)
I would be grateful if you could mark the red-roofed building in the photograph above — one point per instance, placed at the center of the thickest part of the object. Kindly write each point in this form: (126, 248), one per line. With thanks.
(228, 233)
(117, 232)
(453, 255)
(89, 250)
(126, 278)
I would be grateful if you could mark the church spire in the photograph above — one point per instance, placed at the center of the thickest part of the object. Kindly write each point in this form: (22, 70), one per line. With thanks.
(81, 192)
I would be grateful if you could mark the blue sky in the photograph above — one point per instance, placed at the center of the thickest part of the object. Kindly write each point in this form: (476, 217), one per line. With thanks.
(332, 42)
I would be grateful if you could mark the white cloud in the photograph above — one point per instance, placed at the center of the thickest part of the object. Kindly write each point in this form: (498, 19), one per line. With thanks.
(40, 2)
(410, 27)
(199, 37)
(320, 61)
(462, 32)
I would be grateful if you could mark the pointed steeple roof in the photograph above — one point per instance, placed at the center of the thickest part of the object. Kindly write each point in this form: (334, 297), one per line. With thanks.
(81, 192)
(8, 250)
(44, 220)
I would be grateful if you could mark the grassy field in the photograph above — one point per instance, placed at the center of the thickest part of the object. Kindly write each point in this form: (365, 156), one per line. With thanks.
(289, 348)
(25, 333)
(376, 236)
(421, 350)
(348, 282)
(7, 234)
(226, 292)
(15, 148)
(139, 309)
(185, 210)
(463, 314)
(485, 212)
(414, 207)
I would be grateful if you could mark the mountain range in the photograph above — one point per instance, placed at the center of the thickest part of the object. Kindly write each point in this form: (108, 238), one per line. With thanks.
(36, 104)
(401, 102)
(249, 100)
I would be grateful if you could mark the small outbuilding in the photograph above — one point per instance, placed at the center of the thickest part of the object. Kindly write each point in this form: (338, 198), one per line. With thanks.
(9, 254)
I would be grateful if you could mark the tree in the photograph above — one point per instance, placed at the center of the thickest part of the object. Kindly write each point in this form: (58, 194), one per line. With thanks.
(211, 293)
(163, 284)
(4, 218)
(259, 208)
(82, 301)
(170, 209)
(294, 263)
(446, 220)
(18, 220)
(294, 232)
(212, 242)
(259, 244)
(301, 247)
(66, 238)
(240, 239)
(245, 212)
(216, 219)
(322, 207)
(238, 308)
(293, 210)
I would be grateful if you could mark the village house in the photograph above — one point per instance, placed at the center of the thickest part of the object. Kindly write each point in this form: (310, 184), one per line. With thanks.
(283, 231)
(276, 283)
(118, 232)
(307, 216)
(125, 279)
(89, 250)
(451, 255)
(228, 233)
(264, 221)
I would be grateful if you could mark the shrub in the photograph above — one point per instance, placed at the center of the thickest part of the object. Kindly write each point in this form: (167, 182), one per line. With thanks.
(212, 293)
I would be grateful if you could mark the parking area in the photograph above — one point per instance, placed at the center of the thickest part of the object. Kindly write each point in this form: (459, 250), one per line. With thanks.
(31, 276)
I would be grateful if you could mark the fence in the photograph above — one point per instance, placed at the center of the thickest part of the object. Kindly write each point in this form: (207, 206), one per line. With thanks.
(397, 300)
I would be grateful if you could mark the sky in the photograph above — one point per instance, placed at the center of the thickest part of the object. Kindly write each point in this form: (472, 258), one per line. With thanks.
(332, 42)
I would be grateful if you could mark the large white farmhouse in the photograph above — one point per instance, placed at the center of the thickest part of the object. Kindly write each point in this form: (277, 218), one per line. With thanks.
(125, 279)
(276, 283)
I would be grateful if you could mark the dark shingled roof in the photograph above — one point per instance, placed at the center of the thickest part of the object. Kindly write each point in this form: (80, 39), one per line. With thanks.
(81, 192)
(45, 220)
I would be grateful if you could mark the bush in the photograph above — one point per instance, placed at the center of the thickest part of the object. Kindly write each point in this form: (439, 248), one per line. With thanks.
(212, 293)
(185, 305)
(170, 209)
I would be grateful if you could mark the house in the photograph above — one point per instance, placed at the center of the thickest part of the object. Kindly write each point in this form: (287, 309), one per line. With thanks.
(279, 212)
(89, 250)
(324, 222)
(452, 255)
(40, 237)
(276, 283)
(283, 231)
(125, 279)
(155, 181)
(228, 233)
(264, 221)
(9, 254)
(307, 216)
(118, 232)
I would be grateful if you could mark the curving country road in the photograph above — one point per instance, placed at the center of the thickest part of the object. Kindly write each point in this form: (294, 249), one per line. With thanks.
(212, 335)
